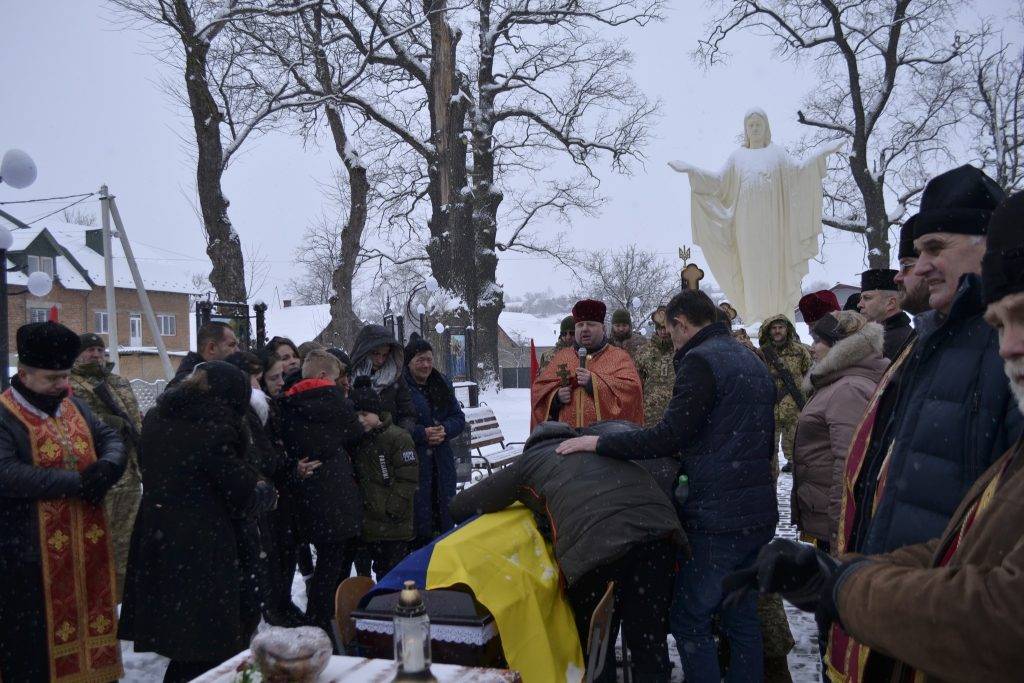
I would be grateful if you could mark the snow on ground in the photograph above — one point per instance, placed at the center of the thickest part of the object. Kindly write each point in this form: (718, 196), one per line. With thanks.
(512, 406)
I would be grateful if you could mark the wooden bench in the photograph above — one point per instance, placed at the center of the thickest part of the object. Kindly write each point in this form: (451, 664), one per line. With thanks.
(484, 431)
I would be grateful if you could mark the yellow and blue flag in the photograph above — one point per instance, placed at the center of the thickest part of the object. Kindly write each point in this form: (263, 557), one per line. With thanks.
(511, 570)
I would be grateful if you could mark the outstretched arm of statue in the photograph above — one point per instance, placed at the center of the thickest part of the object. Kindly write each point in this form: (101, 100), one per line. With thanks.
(681, 167)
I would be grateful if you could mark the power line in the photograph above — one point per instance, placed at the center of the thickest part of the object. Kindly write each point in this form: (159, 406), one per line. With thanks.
(47, 199)
(65, 208)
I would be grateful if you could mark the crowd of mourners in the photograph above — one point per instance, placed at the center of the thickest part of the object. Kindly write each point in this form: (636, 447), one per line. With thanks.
(652, 463)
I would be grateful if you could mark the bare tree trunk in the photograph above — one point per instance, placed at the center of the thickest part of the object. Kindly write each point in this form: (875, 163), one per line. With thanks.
(448, 223)
(345, 324)
(876, 234)
(222, 243)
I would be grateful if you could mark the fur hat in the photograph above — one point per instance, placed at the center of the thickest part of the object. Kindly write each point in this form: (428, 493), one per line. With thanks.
(416, 345)
(364, 398)
(1002, 269)
(959, 201)
(568, 326)
(621, 317)
(907, 249)
(815, 305)
(589, 310)
(878, 278)
(47, 346)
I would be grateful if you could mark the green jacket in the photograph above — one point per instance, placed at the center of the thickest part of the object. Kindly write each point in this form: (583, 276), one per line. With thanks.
(84, 382)
(388, 472)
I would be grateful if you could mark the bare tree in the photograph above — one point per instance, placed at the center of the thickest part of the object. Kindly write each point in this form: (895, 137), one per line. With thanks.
(317, 256)
(890, 77)
(227, 107)
(630, 278)
(997, 112)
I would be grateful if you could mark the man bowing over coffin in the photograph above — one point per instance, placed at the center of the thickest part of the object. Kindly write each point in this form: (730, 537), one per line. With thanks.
(57, 462)
(589, 381)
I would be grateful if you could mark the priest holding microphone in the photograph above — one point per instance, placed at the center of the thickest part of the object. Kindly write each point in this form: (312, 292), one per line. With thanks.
(589, 381)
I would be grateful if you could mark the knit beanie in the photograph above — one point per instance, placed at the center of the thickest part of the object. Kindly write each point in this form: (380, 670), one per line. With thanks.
(364, 398)
(416, 345)
(1002, 269)
(568, 326)
(621, 317)
(346, 362)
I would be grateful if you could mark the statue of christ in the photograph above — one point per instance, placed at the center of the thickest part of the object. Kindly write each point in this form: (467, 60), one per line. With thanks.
(758, 220)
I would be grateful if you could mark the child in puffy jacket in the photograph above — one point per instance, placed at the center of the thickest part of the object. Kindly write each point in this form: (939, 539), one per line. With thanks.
(388, 473)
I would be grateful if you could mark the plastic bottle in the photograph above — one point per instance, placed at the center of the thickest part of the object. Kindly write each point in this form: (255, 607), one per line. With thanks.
(682, 491)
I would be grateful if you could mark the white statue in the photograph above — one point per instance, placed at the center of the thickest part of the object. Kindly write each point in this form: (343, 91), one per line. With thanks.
(758, 220)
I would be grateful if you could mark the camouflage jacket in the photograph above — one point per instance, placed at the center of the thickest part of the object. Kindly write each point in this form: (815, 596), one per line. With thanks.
(631, 345)
(546, 357)
(656, 367)
(84, 380)
(795, 357)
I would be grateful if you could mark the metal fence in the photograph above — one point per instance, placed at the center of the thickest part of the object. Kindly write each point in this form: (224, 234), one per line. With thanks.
(147, 392)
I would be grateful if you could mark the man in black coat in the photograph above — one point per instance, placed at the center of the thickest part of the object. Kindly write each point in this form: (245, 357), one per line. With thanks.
(880, 303)
(379, 356)
(720, 421)
(318, 423)
(954, 414)
(214, 341)
(53, 481)
(610, 522)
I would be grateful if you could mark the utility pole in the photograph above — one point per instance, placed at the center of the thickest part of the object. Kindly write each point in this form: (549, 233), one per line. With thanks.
(108, 274)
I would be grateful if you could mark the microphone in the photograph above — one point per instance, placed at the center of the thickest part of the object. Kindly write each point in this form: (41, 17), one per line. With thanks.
(582, 353)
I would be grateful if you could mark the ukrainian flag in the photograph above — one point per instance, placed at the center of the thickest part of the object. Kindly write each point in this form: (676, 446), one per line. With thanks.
(512, 572)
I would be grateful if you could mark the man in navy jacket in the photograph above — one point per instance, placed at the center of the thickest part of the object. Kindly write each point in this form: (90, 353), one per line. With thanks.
(720, 421)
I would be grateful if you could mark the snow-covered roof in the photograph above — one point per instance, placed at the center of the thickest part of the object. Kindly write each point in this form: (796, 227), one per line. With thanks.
(522, 327)
(298, 323)
(158, 274)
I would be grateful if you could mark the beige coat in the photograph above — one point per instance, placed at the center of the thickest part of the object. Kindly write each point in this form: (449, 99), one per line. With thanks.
(961, 622)
(840, 386)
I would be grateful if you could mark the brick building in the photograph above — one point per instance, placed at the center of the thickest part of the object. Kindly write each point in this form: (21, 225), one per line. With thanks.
(73, 256)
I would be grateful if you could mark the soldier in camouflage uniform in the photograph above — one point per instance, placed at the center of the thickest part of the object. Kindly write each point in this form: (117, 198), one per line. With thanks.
(656, 367)
(110, 397)
(778, 335)
(622, 334)
(566, 336)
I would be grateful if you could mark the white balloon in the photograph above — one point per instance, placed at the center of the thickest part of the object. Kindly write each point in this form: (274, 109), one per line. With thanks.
(17, 169)
(421, 309)
(439, 328)
(6, 239)
(636, 302)
(431, 284)
(39, 283)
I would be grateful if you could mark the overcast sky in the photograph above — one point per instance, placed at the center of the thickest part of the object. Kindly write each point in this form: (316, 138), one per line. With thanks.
(82, 96)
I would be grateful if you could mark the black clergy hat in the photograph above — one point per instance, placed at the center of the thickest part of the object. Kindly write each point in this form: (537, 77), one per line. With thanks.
(1002, 268)
(878, 278)
(47, 346)
(959, 201)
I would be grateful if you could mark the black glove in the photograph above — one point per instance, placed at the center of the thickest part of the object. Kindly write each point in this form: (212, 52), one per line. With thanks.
(97, 479)
(796, 571)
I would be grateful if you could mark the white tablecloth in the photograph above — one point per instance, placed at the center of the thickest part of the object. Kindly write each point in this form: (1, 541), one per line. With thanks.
(373, 670)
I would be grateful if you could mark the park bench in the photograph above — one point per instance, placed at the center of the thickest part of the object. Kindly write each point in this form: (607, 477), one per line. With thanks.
(484, 431)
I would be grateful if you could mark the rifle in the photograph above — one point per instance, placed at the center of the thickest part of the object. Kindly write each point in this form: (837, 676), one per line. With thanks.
(107, 397)
(785, 375)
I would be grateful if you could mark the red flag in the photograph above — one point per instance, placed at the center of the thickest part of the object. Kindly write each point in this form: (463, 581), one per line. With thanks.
(53, 315)
(534, 365)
